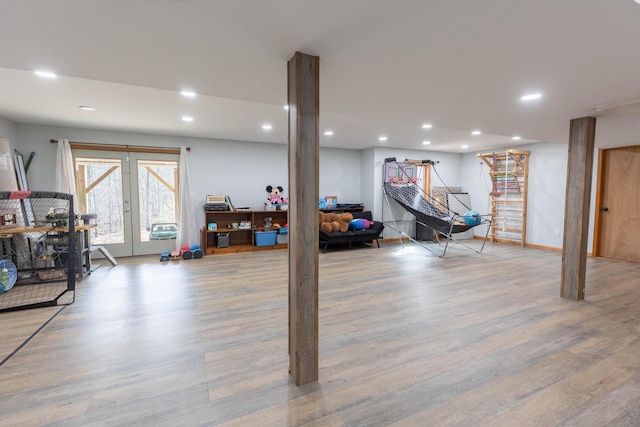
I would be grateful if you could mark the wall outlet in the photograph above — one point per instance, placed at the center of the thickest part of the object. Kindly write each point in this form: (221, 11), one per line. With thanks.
(556, 231)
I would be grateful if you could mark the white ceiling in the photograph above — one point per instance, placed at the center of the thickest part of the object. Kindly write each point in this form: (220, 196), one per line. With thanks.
(386, 68)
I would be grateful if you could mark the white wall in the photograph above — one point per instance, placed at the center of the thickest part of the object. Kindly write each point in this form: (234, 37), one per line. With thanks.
(8, 130)
(8, 181)
(592, 203)
(241, 170)
(547, 189)
(368, 189)
(340, 175)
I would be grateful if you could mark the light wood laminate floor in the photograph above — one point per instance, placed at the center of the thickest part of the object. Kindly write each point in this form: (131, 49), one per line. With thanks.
(406, 339)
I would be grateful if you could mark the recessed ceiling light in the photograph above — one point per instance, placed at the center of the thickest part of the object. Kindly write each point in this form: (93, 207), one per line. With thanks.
(531, 97)
(328, 132)
(476, 132)
(86, 108)
(187, 118)
(637, 1)
(286, 107)
(267, 126)
(516, 137)
(427, 126)
(188, 93)
(464, 146)
(46, 74)
(426, 142)
(382, 138)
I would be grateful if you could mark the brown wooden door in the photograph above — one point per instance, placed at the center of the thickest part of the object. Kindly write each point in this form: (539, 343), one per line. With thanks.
(620, 207)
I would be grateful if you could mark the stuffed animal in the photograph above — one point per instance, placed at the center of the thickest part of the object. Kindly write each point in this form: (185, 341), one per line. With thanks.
(275, 195)
(325, 223)
(332, 222)
(360, 224)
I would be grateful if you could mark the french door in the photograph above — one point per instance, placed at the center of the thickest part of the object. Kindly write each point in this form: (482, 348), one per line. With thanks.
(135, 198)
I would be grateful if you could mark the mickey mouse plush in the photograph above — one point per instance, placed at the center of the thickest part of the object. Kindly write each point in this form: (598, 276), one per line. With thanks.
(275, 195)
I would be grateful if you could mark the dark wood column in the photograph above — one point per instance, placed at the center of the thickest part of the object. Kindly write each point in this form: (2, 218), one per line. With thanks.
(576, 212)
(303, 95)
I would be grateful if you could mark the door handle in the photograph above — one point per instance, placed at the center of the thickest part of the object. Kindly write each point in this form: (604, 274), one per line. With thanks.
(604, 209)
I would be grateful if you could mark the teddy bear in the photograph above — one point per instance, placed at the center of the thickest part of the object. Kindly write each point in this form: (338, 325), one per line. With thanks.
(332, 222)
(275, 195)
(325, 223)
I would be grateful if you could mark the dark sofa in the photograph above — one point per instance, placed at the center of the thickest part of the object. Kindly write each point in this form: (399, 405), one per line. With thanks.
(353, 236)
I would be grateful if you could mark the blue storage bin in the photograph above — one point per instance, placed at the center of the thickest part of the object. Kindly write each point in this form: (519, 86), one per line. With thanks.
(265, 238)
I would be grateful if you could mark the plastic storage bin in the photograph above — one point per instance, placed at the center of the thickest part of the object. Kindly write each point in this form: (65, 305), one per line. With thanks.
(265, 238)
(283, 236)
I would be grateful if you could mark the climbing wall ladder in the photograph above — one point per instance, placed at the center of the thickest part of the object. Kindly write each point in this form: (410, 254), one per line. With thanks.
(509, 174)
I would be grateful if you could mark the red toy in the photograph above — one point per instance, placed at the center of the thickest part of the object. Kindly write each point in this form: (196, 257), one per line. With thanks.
(186, 253)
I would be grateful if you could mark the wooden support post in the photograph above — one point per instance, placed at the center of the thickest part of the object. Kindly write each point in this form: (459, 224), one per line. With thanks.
(576, 212)
(81, 190)
(303, 97)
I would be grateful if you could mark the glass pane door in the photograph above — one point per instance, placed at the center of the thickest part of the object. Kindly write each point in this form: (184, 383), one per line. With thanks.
(103, 188)
(135, 198)
(156, 194)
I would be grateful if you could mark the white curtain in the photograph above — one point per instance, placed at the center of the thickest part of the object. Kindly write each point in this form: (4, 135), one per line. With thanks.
(7, 173)
(65, 172)
(188, 230)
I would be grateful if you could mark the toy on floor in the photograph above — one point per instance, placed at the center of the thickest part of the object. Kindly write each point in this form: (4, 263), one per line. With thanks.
(8, 275)
(186, 253)
(164, 256)
(175, 255)
(197, 251)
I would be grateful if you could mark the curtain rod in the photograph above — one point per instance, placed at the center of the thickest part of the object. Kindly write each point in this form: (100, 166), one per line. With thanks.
(53, 141)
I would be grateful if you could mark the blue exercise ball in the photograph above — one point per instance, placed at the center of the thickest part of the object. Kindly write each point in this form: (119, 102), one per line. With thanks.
(8, 275)
(472, 218)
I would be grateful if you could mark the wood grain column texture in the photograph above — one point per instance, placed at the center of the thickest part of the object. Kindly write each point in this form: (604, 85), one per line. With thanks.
(576, 213)
(303, 98)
